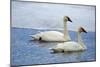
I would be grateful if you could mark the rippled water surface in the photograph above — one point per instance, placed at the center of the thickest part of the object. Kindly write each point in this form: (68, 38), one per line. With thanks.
(24, 51)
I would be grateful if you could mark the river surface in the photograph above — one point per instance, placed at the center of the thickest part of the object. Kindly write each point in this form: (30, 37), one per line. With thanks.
(24, 51)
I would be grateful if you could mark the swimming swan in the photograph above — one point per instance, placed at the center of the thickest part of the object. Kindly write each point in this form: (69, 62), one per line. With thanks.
(54, 35)
(71, 45)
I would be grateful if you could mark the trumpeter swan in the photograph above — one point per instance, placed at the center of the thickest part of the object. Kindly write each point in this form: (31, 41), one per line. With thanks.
(54, 35)
(71, 45)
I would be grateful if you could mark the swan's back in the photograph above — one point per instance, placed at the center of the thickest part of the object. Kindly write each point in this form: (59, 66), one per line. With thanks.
(52, 36)
(71, 46)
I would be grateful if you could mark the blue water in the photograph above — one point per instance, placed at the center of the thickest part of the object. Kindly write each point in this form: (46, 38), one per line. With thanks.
(24, 51)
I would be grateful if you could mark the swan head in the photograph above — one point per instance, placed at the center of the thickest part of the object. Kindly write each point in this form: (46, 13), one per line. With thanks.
(66, 18)
(81, 29)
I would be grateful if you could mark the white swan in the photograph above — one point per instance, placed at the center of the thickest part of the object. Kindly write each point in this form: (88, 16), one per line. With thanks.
(71, 45)
(54, 35)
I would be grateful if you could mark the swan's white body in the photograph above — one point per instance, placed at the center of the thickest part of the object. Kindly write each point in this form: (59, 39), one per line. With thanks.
(54, 35)
(51, 36)
(70, 46)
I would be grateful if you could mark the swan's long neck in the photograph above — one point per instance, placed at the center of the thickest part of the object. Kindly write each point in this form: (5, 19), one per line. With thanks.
(80, 41)
(66, 36)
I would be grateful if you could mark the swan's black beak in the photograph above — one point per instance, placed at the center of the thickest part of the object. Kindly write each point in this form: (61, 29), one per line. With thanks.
(83, 30)
(69, 19)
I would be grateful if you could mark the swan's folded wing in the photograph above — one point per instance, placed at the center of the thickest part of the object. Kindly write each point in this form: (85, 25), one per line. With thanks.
(71, 46)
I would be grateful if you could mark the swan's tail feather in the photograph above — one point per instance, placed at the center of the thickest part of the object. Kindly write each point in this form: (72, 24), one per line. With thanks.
(33, 37)
(56, 50)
